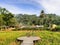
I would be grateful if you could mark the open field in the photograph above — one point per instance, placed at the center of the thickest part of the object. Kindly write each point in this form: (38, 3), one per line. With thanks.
(47, 37)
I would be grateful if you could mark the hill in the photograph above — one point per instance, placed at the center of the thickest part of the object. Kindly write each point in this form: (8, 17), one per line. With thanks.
(36, 20)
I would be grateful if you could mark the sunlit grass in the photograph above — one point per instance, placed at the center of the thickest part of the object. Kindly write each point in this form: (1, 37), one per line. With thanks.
(47, 37)
(7, 37)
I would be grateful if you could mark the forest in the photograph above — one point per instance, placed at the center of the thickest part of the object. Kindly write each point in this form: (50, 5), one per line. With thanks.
(7, 19)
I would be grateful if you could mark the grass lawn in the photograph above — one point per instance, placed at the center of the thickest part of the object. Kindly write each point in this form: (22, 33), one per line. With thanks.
(47, 37)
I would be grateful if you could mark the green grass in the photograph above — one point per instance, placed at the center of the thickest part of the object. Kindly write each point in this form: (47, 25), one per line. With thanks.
(47, 37)
(8, 37)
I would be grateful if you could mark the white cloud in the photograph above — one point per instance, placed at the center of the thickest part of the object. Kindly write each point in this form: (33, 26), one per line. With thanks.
(17, 10)
(11, 8)
(51, 6)
(10, 5)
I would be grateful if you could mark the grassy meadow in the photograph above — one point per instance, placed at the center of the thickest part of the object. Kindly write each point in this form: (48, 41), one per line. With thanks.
(47, 37)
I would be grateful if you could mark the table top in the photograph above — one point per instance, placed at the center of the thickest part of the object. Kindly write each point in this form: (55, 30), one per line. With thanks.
(29, 38)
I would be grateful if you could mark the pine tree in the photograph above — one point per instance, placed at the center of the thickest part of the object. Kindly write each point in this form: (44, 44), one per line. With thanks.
(42, 15)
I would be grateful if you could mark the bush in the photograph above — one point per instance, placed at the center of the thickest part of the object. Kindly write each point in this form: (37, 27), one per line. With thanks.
(29, 29)
(55, 29)
(58, 28)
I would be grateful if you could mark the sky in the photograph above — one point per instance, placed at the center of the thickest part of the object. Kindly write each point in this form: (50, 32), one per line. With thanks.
(31, 6)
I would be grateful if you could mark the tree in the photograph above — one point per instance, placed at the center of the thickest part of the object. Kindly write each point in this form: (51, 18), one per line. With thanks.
(1, 20)
(42, 17)
(2, 23)
(42, 14)
(6, 17)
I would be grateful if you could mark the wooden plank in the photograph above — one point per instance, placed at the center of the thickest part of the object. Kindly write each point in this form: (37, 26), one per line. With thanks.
(27, 44)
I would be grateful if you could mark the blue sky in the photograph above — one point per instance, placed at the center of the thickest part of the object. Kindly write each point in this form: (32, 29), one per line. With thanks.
(31, 6)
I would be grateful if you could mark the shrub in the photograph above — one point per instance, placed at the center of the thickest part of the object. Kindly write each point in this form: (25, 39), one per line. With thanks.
(29, 29)
(57, 28)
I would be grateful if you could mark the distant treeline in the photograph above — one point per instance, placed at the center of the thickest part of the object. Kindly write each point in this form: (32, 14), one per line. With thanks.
(42, 19)
(9, 19)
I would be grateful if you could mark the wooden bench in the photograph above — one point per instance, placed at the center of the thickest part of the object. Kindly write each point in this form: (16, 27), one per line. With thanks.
(28, 40)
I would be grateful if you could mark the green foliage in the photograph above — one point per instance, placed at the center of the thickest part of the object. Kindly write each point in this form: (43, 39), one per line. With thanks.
(42, 15)
(1, 20)
(47, 20)
(6, 18)
(57, 28)
(26, 19)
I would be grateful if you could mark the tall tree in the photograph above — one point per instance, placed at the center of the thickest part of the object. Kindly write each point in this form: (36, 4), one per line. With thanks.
(7, 17)
(42, 17)
(42, 14)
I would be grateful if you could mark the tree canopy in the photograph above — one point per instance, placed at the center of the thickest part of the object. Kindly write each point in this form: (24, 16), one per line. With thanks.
(9, 19)
(6, 17)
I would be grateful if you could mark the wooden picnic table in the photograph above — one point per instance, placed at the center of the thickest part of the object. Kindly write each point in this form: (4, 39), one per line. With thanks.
(28, 40)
